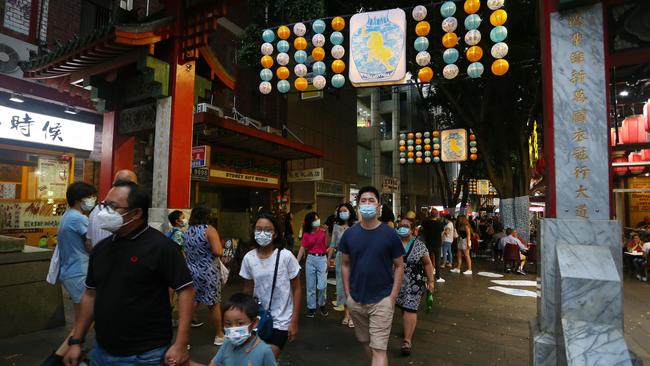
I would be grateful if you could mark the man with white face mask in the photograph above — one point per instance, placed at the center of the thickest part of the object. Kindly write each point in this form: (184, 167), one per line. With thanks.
(372, 266)
(127, 285)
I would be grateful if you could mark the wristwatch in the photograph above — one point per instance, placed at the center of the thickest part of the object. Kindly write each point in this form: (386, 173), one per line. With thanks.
(72, 341)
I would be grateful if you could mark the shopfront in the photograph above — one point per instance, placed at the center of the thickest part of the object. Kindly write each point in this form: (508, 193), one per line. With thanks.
(42, 150)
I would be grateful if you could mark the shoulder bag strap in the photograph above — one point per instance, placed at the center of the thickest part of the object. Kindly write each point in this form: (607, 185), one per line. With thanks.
(275, 277)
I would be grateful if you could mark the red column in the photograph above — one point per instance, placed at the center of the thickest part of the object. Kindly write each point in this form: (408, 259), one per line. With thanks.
(117, 153)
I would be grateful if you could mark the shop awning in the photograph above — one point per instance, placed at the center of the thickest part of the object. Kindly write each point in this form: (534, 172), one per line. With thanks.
(230, 133)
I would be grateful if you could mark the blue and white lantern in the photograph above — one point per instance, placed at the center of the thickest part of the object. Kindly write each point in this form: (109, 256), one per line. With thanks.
(283, 86)
(338, 80)
(336, 38)
(450, 55)
(421, 44)
(450, 71)
(282, 59)
(499, 50)
(283, 46)
(338, 51)
(319, 68)
(300, 56)
(499, 34)
(448, 9)
(265, 87)
(319, 82)
(423, 58)
(419, 13)
(268, 35)
(266, 74)
(473, 37)
(473, 21)
(475, 70)
(318, 26)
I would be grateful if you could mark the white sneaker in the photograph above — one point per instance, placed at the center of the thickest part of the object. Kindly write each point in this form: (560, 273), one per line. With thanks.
(644, 279)
(455, 270)
(441, 280)
(468, 272)
(638, 277)
(218, 341)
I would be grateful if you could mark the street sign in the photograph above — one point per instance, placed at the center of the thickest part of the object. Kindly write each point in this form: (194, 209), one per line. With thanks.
(305, 175)
(200, 156)
(202, 174)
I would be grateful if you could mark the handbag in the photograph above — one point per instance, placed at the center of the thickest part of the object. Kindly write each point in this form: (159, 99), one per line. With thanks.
(265, 324)
(55, 266)
(224, 272)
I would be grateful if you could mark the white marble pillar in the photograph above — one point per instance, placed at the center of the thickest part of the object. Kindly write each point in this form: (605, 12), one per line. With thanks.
(158, 212)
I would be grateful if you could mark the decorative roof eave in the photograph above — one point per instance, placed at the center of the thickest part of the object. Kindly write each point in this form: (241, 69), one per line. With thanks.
(217, 68)
(100, 47)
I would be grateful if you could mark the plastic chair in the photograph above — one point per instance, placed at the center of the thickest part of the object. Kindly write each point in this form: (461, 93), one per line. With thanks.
(531, 256)
(511, 256)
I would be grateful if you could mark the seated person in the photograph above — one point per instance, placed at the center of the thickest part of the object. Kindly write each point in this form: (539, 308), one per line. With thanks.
(641, 262)
(511, 238)
(635, 244)
(497, 242)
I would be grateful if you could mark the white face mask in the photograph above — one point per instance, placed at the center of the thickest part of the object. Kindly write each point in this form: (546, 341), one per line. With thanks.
(88, 203)
(263, 238)
(316, 223)
(111, 221)
(237, 335)
(185, 223)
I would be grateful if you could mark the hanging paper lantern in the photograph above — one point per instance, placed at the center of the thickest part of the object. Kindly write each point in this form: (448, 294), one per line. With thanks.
(419, 13)
(499, 50)
(300, 56)
(422, 28)
(283, 86)
(418, 160)
(426, 134)
(402, 155)
(411, 135)
(421, 44)
(436, 152)
(425, 74)
(473, 22)
(473, 150)
(300, 70)
(450, 71)
(338, 66)
(283, 46)
(411, 161)
(499, 34)
(427, 160)
(318, 26)
(319, 68)
(282, 58)
(449, 40)
(268, 36)
(499, 17)
(473, 157)
(474, 53)
(418, 135)
(282, 73)
(402, 148)
(301, 84)
(500, 67)
(449, 24)
(435, 133)
(299, 29)
(472, 143)
(633, 130)
(266, 61)
(450, 55)
(265, 87)
(427, 149)
(338, 51)
(646, 115)
(423, 58)
(472, 6)
(473, 37)
(436, 159)
(402, 142)
(300, 43)
(495, 4)
(266, 48)
(402, 161)
(318, 53)
(336, 38)
(402, 136)
(635, 157)
(338, 24)
(475, 70)
(418, 148)
(472, 137)
(448, 9)
(338, 81)
(266, 74)
(620, 170)
(318, 40)
(284, 32)
(427, 146)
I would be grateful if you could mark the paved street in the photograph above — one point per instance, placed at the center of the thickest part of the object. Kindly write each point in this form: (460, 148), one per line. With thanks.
(470, 325)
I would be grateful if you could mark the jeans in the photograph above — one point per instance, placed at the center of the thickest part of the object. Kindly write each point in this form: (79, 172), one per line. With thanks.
(100, 357)
(639, 265)
(447, 254)
(316, 280)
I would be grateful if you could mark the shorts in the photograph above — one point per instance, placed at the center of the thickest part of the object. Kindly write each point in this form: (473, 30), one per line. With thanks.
(372, 322)
(154, 357)
(278, 338)
(462, 244)
(75, 287)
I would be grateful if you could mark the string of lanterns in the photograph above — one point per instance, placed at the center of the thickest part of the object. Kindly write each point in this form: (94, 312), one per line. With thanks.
(424, 147)
(498, 34)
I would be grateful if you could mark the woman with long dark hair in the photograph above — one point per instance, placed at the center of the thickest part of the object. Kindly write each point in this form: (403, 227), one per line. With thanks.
(464, 245)
(314, 243)
(202, 247)
(259, 269)
(345, 218)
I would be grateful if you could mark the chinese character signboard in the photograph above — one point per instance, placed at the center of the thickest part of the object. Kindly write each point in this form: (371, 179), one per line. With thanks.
(25, 215)
(20, 125)
(580, 114)
(200, 156)
(378, 48)
(305, 175)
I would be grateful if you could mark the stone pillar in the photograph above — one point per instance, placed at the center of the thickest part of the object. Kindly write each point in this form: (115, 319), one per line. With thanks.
(580, 314)
(397, 205)
(375, 144)
(160, 181)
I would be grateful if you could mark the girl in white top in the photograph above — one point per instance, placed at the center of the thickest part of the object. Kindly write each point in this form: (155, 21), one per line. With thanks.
(257, 270)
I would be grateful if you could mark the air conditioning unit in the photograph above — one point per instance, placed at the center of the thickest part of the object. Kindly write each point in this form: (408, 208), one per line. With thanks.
(209, 108)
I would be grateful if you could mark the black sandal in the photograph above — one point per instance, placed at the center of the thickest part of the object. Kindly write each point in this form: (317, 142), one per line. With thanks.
(406, 348)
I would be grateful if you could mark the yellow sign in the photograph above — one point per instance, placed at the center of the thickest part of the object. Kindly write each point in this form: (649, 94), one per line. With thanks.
(243, 177)
(639, 202)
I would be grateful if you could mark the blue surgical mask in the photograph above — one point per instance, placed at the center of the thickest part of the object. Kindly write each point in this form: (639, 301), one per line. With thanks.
(345, 216)
(403, 232)
(368, 211)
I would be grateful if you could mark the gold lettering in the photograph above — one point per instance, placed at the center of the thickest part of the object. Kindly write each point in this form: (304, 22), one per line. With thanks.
(582, 192)
(576, 39)
(579, 96)
(580, 116)
(578, 76)
(582, 211)
(582, 171)
(575, 21)
(577, 57)
(579, 135)
(580, 153)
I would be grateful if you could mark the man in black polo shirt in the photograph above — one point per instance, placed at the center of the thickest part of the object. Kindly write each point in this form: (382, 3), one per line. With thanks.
(127, 296)
(432, 229)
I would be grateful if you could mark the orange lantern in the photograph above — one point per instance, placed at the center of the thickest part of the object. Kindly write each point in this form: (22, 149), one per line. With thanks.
(473, 156)
(472, 6)
(418, 141)
(425, 74)
(450, 40)
(635, 157)
(418, 160)
(500, 67)
(633, 130)
(338, 23)
(338, 66)
(318, 53)
(474, 53)
(266, 61)
(284, 32)
(620, 170)
(410, 154)
(427, 147)
(402, 148)
(301, 84)
(498, 18)
(422, 28)
(436, 152)
(435, 133)
(410, 136)
(300, 43)
(282, 73)
(472, 137)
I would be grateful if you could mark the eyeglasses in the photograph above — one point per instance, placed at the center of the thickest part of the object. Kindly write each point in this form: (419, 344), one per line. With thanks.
(265, 230)
(110, 207)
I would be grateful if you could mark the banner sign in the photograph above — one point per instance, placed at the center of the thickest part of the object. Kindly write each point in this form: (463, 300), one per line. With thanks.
(31, 214)
(235, 177)
(200, 156)
(305, 175)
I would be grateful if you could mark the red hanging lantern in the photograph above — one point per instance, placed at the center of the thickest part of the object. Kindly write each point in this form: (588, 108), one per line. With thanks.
(645, 154)
(635, 157)
(633, 130)
(612, 137)
(646, 115)
(620, 170)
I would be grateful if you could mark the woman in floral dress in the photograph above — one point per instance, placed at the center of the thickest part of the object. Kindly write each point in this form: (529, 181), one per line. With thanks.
(418, 278)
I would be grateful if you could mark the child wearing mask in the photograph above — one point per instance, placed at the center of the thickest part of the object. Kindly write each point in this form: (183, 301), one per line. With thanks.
(178, 221)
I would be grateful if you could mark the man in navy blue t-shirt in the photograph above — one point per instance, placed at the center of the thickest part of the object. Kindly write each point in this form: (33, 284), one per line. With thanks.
(372, 266)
